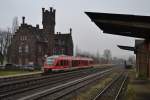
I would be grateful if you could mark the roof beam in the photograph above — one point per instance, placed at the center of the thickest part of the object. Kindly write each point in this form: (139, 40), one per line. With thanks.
(126, 48)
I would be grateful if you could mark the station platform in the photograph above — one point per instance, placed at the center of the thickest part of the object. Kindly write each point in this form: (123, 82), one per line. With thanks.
(21, 74)
(138, 89)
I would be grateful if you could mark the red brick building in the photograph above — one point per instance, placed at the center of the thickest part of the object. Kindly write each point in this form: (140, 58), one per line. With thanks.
(142, 58)
(30, 44)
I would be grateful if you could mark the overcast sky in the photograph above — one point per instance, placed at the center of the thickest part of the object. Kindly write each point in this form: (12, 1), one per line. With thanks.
(70, 13)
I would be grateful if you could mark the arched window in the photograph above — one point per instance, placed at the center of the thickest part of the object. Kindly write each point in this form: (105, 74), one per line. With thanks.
(27, 48)
(25, 37)
(20, 49)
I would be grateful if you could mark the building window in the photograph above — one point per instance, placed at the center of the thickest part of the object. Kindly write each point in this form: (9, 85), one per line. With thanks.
(23, 38)
(54, 51)
(20, 49)
(26, 48)
(63, 42)
(59, 42)
(62, 51)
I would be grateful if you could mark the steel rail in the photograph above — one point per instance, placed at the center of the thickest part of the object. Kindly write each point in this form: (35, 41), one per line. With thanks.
(111, 86)
(18, 77)
(121, 87)
(66, 86)
(13, 80)
(36, 78)
(84, 72)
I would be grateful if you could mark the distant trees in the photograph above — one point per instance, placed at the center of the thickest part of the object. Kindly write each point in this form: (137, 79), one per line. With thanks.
(86, 54)
(5, 41)
(117, 61)
(131, 59)
(103, 59)
(107, 56)
(15, 24)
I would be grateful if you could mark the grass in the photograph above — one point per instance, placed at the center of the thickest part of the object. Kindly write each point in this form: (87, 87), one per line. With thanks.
(130, 94)
(91, 92)
(13, 72)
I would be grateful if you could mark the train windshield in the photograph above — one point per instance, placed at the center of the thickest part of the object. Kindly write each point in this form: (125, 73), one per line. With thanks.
(50, 61)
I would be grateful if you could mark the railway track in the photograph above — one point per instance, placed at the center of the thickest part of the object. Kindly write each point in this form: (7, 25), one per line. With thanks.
(114, 90)
(21, 77)
(15, 88)
(28, 76)
(60, 91)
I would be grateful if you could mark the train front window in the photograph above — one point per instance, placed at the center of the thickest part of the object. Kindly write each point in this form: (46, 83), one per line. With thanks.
(50, 61)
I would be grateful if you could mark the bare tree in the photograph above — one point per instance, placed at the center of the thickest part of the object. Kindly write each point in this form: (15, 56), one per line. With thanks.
(77, 51)
(107, 55)
(15, 24)
(5, 41)
(98, 57)
(81, 53)
(118, 61)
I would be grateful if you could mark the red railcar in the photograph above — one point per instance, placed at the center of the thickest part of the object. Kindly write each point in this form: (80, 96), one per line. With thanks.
(62, 62)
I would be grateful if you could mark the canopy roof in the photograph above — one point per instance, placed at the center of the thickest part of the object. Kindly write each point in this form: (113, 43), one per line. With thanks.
(126, 48)
(121, 24)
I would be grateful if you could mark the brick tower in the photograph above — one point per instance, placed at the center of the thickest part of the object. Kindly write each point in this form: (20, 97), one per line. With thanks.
(48, 21)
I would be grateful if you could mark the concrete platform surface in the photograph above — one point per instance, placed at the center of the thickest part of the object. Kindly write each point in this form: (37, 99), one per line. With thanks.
(138, 89)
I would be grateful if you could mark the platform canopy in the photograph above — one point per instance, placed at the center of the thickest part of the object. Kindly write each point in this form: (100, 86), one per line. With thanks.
(126, 48)
(122, 24)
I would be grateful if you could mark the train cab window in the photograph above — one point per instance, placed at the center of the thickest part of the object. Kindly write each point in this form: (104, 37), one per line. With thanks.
(50, 61)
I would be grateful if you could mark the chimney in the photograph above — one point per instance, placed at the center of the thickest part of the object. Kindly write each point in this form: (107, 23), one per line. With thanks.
(70, 30)
(54, 10)
(51, 9)
(43, 9)
(23, 20)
